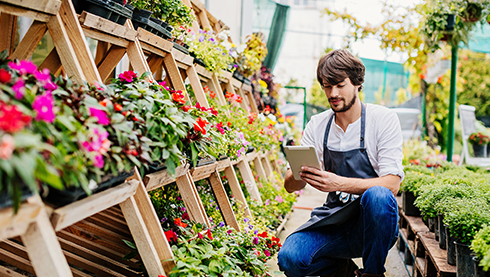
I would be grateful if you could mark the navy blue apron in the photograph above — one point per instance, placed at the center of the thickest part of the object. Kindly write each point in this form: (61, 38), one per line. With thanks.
(340, 206)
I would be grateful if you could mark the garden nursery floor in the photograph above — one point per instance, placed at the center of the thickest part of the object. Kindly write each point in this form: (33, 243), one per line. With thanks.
(301, 211)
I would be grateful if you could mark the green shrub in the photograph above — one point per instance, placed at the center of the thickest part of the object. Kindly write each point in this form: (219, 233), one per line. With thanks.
(466, 216)
(481, 246)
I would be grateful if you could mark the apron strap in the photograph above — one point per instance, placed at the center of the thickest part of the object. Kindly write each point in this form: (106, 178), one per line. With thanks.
(363, 124)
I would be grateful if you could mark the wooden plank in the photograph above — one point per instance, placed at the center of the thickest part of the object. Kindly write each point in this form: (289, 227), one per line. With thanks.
(158, 179)
(8, 27)
(92, 243)
(267, 167)
(104, 25)
(202, 71)
(246, 87)
(16, 261)
(149, 38)
(416, 224)
(197, 87)
(259, 168)
(236, 191)
(26, 47)
(116, 221)
(174, 75)
(141, 236)
(182, 58)
(191, 199)
(249, 180)
(43, 247)
(72, 213)
(223, 164)
(251, 156)
(75, 33)
(114, 213)
(18, 11)
(65, 49)
(251, 101)
(52, 62)
(108, 235)
(153, 224)
(109, 63)
(109, 225)
(90, 266)
(96, 258)
(16, 224)
(101, 51)
(213, 84)
(202, 172)
(45, 6)
(154, 62)
(97, 35)
(222, 200)
(136, 56)
(420, 265)
(437, 255)
(7, 272)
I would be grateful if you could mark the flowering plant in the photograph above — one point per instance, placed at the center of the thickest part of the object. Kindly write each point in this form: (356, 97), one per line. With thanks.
(478, 138)
(250, 59)
(208, 48)
(174, 12)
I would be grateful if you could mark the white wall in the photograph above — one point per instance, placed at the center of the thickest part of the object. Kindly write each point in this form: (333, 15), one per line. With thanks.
(236, 14)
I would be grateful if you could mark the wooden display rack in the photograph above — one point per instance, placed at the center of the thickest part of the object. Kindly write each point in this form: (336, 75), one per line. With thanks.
(53, 16)
(42, 251)
(419, 249)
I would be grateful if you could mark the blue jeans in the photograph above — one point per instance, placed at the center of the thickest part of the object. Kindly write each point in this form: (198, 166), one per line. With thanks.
(321, 250)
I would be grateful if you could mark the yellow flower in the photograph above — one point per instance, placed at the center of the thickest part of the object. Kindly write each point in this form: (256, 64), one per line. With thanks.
(262, 83)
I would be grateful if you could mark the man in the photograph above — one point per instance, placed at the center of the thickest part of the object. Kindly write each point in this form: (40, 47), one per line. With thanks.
(360, 148)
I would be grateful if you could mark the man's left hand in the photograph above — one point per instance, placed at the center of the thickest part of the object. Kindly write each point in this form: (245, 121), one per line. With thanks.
(319, 179)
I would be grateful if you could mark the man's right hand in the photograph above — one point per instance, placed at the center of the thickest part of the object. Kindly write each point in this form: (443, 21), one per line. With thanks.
(291, 184)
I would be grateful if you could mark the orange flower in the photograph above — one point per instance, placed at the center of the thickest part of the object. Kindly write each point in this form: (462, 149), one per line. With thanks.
(239, 99)
(118, 107)
(178, 97)
(179, 222)
(200, 126)
(229, 94)
(212, 94)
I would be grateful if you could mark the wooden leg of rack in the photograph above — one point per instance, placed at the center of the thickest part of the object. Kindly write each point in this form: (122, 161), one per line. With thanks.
(112, 58)
(249, 180)
(223, 202)
(8, 27)
(30, 41)
(236, 190)
(191, 199)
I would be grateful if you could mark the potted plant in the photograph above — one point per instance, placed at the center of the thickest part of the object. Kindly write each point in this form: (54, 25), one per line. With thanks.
(481, 246)
(206, 47)
(472, 10)
(479, 141)
(174, 12)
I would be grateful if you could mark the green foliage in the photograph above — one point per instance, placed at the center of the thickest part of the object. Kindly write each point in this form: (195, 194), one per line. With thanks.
(211, 51)
(475, 81)
(466, 216)
(414, 180)
(316, 95)
(174, 12)
(481, 246)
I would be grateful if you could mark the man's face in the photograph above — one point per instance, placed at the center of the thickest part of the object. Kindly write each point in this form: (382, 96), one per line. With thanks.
(341, 96)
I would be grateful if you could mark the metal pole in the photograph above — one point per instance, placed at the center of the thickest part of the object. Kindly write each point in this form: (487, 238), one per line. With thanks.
(424, 115)
(304, 108)
(452, 103)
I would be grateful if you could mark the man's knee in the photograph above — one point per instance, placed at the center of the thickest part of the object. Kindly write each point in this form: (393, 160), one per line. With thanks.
(291, 262)
(379, 200)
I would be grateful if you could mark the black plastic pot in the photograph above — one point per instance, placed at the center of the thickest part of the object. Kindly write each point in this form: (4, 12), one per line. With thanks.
(464, 260)
(120, 2)
(69, 195)
(479, 150)
(431, 223)
(478, 269)
(436, 227)
(250, 149)
(98, 7)
(222, 157)
(142, 16)
(450, 18)
(247, 81)
(181, 48)
(104, 8)
(450, 247)
(154, 167)
(205, 161)
(6, 200)
(442, 232)
(199, 62)
(237, 75)
(408, 206)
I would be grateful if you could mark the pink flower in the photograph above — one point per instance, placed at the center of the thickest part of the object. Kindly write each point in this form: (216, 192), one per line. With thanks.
(24, 67)
(255, 241)
(128, 76)
(99, 161)
(279, 199)
(45, 78)
(101, 116)
(98, 142)
(267, 253)
(43, 105)
(7, 147)
(98, 87)
(267, 202)
(19, 89)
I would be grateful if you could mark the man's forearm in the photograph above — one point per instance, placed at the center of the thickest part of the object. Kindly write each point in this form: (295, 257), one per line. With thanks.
(292, 185)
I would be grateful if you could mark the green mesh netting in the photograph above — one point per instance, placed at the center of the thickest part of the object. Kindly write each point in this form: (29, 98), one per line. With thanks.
(276, 35)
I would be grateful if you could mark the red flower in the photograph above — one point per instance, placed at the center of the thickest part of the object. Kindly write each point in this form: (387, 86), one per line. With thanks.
(12, 119)
(198, 106)
(239, 99)
(185, 216)
(171, 235)
(199, 235)
(263, 234)
(229, 94)
(118, 107)
(208, 233)
(128, 76)
(267, 110)
(200, 126)
(186, 108)
(179, 222)
(5, 76)
(178, 97)
(213, 111)
(212, 94)
(229, 124)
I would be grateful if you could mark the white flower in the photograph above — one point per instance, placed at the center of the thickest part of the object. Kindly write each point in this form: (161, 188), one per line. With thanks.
(92, 184)
(261, 116)
(241, 48)
(272, 117)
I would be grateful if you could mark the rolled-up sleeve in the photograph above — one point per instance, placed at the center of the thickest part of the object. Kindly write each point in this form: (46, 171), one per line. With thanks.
(390, 141)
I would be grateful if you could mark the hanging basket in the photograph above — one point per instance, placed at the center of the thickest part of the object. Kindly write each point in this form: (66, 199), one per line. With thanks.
(472, 13)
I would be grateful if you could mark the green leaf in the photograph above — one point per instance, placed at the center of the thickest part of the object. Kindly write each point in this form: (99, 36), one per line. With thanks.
(48, 175)
(25, 166)
(130, 244)
(65, 121)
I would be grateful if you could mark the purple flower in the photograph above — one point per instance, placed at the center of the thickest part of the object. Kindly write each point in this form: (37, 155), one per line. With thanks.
(255, 241)
(211, 39)
(43, 105)
(178, 198)
(217, 208)
(221, 224)
(201, 38)
(256, 232)
(250, 226)
(19, 89)
(101, 116)
(24, 67)
(182, 209)
(267, 202)
(267, 253)
(246, 219)
(163, 219)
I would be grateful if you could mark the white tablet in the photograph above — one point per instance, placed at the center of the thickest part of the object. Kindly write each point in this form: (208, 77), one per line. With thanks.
(298, 156)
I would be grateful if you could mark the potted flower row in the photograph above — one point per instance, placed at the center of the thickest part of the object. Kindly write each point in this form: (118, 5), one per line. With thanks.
(479, 141)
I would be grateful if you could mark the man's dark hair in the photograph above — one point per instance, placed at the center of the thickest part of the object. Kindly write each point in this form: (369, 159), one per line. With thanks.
(337, 65)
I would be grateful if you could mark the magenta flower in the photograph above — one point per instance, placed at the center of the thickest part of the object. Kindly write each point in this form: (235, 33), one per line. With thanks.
(24, 67)
(267, 202)
(99, 161)
(101, 116)
(267, 253)
(128, 76)
(45, 78)
(279, 199)
(255, 241)
(19, 88)
(98, 142)
(43, 105)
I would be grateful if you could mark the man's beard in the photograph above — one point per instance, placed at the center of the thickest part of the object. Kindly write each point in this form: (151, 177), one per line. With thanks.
(346, 107)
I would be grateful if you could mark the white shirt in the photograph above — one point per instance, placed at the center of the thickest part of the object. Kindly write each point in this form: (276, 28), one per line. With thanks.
(383, 138)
